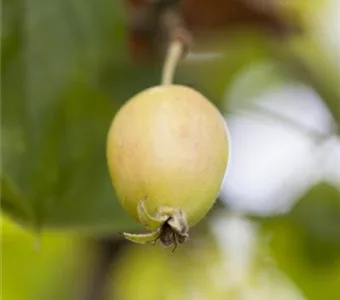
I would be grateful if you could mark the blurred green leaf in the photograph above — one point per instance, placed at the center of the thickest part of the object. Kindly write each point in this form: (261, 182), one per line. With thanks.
(13, 203)
(235, 52)
(306, 60)
(52, 270)
(251, 81)
(55, 116)
(306, 242)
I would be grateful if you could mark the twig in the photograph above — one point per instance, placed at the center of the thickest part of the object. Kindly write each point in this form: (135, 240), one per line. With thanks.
(178, 39)
(175, 52)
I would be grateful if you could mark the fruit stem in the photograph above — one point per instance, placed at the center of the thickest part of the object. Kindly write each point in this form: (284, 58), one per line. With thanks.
(174, 54)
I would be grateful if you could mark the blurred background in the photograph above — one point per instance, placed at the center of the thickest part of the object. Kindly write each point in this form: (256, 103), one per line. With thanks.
(272, 68)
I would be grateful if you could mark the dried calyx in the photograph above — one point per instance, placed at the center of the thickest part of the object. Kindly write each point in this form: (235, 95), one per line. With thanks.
(169, 226)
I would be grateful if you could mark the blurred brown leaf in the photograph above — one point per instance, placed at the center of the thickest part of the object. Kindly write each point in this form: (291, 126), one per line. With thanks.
(202, 18)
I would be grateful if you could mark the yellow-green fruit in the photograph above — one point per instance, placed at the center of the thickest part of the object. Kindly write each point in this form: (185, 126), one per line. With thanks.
(168, 144)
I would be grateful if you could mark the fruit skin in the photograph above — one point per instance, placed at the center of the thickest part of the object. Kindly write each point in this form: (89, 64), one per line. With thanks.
(168, 144)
